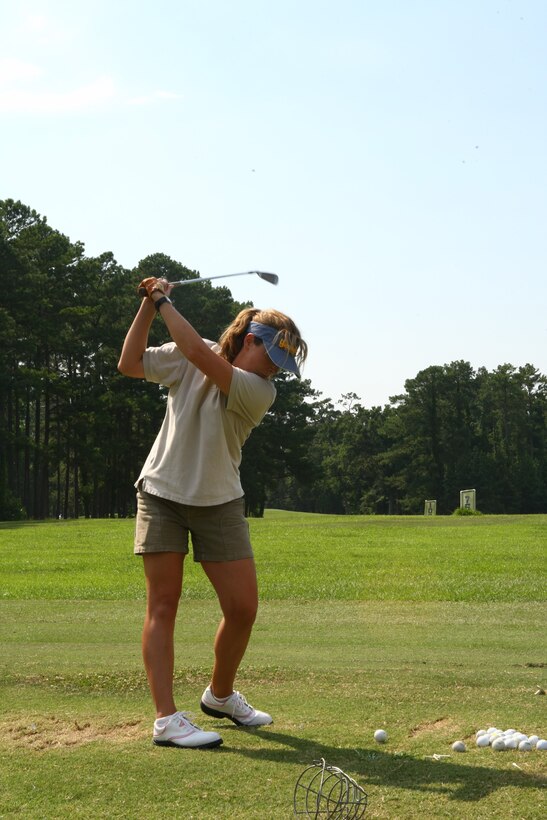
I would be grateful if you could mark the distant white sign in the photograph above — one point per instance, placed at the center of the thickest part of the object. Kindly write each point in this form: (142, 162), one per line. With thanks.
(430, 507)
(468, 499)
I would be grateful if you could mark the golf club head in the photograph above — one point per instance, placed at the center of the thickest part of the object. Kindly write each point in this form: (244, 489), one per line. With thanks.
(272, 278)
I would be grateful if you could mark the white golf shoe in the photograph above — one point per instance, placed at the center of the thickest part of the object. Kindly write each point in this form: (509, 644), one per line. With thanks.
(178, 730)
(234, 708)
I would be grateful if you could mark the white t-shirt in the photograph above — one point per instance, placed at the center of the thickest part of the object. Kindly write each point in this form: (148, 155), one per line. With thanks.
(196, 455)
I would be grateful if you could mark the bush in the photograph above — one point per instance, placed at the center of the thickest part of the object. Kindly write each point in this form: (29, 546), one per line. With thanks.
(11, 508)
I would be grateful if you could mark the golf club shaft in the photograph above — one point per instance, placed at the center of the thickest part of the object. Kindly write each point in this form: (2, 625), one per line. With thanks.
(272, 278)
(208, 278)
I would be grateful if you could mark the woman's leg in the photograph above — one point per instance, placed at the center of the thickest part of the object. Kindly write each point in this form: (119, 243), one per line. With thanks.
(163, 571)
(236, 587)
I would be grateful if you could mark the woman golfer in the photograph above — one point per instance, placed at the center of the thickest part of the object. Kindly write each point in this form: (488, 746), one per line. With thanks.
(190, 485)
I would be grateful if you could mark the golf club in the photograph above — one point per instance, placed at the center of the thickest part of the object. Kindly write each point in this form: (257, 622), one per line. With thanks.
(272, 278)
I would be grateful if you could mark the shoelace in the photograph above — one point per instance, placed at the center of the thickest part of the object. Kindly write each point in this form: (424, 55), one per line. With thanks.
(240, 704)
(188, 717)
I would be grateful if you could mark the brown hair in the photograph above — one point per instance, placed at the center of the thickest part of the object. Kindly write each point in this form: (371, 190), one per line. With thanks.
(231, 340)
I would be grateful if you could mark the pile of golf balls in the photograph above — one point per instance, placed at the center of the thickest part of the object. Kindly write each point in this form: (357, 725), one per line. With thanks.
(500, 740)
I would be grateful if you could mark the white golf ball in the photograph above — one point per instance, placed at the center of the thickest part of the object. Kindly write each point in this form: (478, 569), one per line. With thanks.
(498, 744)
(458, 746)
(532, 740)
(541, 745)
(520, 736)
(483, 741)
(511, 742)
(380, 736)
(525, 746)
(480, 733)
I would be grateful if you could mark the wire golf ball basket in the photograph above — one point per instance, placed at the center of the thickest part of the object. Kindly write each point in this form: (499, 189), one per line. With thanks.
(326, 791)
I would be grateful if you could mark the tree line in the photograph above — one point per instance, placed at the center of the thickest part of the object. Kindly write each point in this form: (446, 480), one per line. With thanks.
(74, 432)
(452, 429)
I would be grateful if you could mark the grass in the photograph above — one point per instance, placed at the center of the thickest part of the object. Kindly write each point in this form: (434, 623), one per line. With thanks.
(302, 557)
(429, 627)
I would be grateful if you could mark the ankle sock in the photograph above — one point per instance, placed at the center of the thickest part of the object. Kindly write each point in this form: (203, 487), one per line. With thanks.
(221, 700)
(163, 721)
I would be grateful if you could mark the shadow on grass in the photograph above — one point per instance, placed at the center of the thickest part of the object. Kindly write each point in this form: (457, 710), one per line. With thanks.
(11, 525)
(380, 768)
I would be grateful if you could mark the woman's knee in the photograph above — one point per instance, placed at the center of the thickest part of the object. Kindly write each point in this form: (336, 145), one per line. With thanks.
(163, 584)
(241, 611)
(163, 605)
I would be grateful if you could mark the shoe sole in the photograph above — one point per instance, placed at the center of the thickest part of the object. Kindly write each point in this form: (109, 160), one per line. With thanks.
(217, 714)
(212, 745)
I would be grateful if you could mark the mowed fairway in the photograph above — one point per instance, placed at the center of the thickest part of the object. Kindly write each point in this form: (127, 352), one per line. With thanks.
(430, 628)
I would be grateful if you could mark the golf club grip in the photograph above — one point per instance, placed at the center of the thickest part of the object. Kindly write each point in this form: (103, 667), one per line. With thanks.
(144, 292)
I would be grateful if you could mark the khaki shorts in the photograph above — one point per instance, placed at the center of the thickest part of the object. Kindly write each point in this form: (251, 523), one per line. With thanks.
(219, 533)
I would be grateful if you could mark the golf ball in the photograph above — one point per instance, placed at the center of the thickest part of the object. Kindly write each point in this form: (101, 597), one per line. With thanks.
(458, 746)
(498, 744)
(482, 741)
(511, 742)
(525, 746)
(541, 745)
(532, 740)
(380, 736)
(520, 736)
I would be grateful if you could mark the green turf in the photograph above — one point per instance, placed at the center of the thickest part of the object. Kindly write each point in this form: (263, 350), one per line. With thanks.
(430, 628)
(311, 557)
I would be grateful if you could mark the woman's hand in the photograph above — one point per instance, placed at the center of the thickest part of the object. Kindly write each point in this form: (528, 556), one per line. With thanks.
(152, 284)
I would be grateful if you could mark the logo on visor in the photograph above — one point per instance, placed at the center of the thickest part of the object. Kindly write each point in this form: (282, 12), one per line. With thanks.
(285, 346)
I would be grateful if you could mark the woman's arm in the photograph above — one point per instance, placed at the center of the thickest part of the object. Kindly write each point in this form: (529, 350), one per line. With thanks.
(182, 333)
(193, 347)
(136, 341)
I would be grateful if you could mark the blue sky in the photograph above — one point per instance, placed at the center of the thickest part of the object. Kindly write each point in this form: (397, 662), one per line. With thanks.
(387, 159)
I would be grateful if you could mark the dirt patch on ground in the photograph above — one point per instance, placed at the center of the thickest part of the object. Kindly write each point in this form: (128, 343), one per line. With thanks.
(443, 724)
(43, 733)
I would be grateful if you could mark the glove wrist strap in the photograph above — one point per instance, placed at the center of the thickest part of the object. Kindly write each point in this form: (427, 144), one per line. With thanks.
(159, 302)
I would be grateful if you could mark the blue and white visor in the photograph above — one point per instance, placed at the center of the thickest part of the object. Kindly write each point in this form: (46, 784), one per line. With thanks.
(281, 354)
